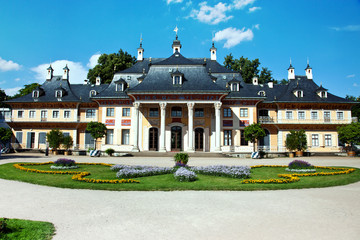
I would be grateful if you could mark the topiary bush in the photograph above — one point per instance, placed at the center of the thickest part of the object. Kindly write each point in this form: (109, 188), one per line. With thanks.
(109, 151)
(299, 164)
(182, 158)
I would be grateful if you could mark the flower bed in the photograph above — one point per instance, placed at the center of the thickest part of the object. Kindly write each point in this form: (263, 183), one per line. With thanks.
(125, 171)
(300, 164)
(300, 170)
(63, 167)
(78, 176)
(185, 175)
(224, 171)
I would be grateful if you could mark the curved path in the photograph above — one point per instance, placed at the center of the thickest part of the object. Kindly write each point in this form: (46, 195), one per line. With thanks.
(326, 213)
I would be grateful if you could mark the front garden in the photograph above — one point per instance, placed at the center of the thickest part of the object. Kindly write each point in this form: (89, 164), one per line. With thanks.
(65, 173)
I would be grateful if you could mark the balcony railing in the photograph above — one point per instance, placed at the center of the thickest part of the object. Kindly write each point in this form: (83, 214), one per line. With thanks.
(268, 120)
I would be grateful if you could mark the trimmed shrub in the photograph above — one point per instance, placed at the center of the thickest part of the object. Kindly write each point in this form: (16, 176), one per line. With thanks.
(109, 151)
(181, 158)
(300, 164)
(64, 162)
(185, 175)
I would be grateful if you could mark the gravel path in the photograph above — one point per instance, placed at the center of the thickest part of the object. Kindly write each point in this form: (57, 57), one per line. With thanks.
(327, 213)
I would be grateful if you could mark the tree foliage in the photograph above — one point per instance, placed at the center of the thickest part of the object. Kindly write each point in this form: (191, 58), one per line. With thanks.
(5, 134)
(349, 134)
(253, 133)
(247, 68)
(67, 142)
(28, 88)
(96, 130)
(108, 64)
(3, 97)
(355, 110)
(296, 140)
(265, 75)
(55, 138)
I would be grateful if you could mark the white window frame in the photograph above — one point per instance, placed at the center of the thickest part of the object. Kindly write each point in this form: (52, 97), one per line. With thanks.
(44, 115)
(109, 112)
(315, 140)
(289, 115)
(32, 115)
(110, 136)
(58, 94)
(65, 111)
(22, 113)
(35, 94)
(315, 113)
(342, 115)
(327, 119)
(299, 113)
(126, 115)
(93, 113)
(328, 140)
(58, 113)
(125, 138)
(244, 112)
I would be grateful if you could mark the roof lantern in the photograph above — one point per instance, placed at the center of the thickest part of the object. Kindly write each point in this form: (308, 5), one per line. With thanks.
(98, 80)
(213, 52)
(66, 73)
(140, 51)
(176, 43)
(50, 72)
(291, 72)
(308, 71)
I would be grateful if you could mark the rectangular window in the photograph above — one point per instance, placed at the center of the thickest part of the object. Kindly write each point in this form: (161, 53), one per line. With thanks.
(42, 138)
(89, 140)
(20, 114)
(227, 112)
(326, 116)
(199, 112)
(109, 136)
(227, 137)
(67, 114)
(66, 134)
(314, 115)
(243, 112)
(289, 115)
(301, 115)
(126, 112)
(125, 137)
(315, 140)
(32, 114)
(19, 137)
(90, 113)
(55, 114)
(242, 139)
(176, 112)
(110, 112)
(154, 112)
(340, 115)
(328, 142)
(43, 114)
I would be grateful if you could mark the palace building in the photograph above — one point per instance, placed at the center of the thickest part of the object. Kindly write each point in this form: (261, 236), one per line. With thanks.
(180, 104)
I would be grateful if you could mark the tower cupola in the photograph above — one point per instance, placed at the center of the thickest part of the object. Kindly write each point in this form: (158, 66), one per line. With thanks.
(213, 52)
(291, 72)
(66, 73)
(50, 72)
(140, 52)
(176, 43)
(308, 71)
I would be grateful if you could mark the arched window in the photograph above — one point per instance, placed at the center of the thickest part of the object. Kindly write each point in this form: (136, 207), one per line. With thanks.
(58, 93)
(262, 93)
(92, 93)
(35, 94)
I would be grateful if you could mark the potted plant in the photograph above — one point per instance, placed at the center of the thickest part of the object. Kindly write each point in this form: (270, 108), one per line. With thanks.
(350, 134)
(181, 159)
(109, 151)
(296, 141)
(54, 138)
(67, 143)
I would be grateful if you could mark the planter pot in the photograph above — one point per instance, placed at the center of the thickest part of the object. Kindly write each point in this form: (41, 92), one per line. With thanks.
(351, 153)
(55, 152)
(66, 153)
(291, 155)
(299, 153)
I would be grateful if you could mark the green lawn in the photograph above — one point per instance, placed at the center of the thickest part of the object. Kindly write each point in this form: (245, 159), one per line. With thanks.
(168, 183)
(25, 229)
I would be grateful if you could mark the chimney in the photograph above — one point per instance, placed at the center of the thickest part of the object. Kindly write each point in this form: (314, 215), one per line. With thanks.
(85, 82)
(66, 73)
(271, 84)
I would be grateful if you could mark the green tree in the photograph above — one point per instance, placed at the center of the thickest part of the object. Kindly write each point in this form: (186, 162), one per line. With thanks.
(350, 134)
(253, 133)
(28, 88)
(108, 64)
(55, 138)
(296, 140)
(247, 68)
(5, 135)
(265, 75)
(96, 130)
(355, 110)
(67, 142)
(3, 97)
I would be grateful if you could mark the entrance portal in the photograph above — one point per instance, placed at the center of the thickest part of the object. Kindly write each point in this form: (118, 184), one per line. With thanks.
(153, 139)
(176, 139)
(199, 139)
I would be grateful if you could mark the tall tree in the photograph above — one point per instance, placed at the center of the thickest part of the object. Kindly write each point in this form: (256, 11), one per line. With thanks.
(108, 64)
(28, 88)
(254, 132)
(265, 75)
(355, 110)
(247, 68)
(96, 130)
(3, 97)
(5, 135)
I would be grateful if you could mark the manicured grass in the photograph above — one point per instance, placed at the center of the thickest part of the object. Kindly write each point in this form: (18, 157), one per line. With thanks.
(26, 229)
(168, 183)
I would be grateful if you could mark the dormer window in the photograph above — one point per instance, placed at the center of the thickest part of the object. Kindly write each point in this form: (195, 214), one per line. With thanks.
(35, 94)
(177, 78)
(235, 87)
(262, 93)
(120, 87)
(299, 93)
(92, 93)
(323, 94)
(58, 94)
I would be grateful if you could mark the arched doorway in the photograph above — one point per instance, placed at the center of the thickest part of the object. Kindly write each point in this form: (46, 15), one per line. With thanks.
(153, 139)
(199, 139)
(176, 138)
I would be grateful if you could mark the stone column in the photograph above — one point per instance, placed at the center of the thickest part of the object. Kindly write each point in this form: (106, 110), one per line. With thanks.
(191, 126)
(136, 127)
(217, 126)
(162, 127)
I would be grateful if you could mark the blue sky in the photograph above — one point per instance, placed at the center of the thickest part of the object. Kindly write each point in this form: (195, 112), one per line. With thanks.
(327, 32)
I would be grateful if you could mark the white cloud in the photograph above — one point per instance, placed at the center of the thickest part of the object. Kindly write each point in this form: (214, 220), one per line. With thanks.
(93, 61)
(253, 9)
(12, 91)
(17, 79)
(350, 76)
(188, 4)
(256, 26)
(211, 15)
(233, 36)
(77, 72)
(238, 4)
(8, 65)
(348, 28)
(173, 1)
(355, 85)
